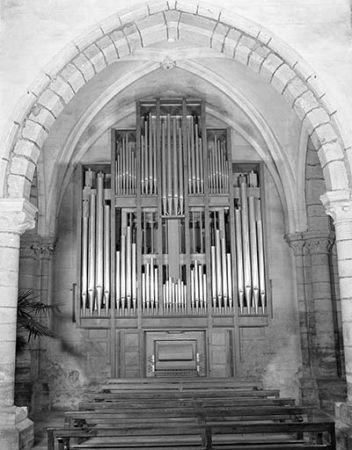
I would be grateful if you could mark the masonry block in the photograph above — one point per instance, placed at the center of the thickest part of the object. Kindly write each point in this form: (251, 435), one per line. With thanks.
(335, 175)
(270, 66)
(242, 53)
(231, 41)
(34, 132)
(186, 7)
(150, 21)
(344, 249)
(315, 118)
(63, 89)
(294, 89)
(93, 34)
(157, 6)
(218, 37)
(128, 16)
(331, 151)
(159, 33)
(73, 76)
(198, 36)
(120, 41)
(18, 186)
(132, 36)
(27, 149)
(322, 135)
(198, 22)
(43, 116)
(85, 66)
(96, 57)
(346, 289)
(110, 24)
(22, 166)
(108, 48)
(52, 102)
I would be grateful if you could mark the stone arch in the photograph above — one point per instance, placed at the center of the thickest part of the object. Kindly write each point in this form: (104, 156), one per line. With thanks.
(121, 35)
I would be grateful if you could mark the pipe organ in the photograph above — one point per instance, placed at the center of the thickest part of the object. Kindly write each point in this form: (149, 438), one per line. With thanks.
(173, 226)
(182, 232)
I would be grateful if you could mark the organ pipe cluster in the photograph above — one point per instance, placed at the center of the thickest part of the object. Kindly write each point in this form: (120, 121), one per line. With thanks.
(95, 274)
(149, 184)
(174, 296)
(249, 248)
(194, 157)
(221, 267)
(198, 287)
(172, 170)
(126, 174)
(218, 167)
(126, 269)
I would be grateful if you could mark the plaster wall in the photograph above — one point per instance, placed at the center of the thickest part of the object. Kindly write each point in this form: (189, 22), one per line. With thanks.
(78, 358)
(32, 33)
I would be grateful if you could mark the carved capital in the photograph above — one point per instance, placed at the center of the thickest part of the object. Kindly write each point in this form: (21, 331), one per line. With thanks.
(319, 242)
(297, 242)
(16, 215)
(46, 248)
(338, 205)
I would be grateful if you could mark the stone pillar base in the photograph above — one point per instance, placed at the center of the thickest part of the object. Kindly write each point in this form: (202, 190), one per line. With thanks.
(309, 392)
(343, 423)
(16, 430)
(331, 391)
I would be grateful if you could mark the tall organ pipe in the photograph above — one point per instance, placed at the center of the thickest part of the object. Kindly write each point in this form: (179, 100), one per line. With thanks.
(99, 277)
(239, 258)
(91, 254)
(245, 238)
(261, 256)
(106, 256)
(254, 252)
(85, 219)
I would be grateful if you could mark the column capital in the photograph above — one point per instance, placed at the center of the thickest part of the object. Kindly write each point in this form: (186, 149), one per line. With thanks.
(296, 241)
(16, 215)
(338, 205)
(319, 242)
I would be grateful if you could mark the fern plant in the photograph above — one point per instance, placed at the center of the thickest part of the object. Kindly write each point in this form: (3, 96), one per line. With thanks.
(29, 312)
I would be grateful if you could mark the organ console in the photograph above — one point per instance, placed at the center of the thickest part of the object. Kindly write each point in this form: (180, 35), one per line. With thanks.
(173, 227)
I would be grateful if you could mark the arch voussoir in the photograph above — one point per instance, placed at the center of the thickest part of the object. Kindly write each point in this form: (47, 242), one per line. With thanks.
(201, 25)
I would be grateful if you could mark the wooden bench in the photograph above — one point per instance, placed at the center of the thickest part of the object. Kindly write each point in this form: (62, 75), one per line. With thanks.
(110, 417)
(193, 418)
(269, 436)
(186, 436)
(180, 385)
(151, 403)
(161, 394)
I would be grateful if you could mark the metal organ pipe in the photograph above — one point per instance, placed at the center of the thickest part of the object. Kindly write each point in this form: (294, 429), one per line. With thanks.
(84, 283)
(107, 287)
(99, 276)
(254, 253)
(91, 255)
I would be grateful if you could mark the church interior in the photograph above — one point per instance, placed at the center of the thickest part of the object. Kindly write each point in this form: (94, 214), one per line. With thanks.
(176, 187)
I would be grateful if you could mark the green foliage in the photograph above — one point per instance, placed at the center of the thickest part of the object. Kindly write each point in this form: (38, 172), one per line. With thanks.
(29, 312)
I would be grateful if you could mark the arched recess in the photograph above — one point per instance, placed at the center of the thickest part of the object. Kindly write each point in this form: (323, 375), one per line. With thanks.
(124, 35)
(267, 148)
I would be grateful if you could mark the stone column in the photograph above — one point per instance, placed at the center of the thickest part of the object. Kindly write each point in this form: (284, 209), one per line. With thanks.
(309, 388)
(339, 207)
(319, 246)
(16, 215)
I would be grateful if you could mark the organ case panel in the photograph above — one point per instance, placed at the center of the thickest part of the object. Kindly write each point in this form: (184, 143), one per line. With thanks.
(173, 227)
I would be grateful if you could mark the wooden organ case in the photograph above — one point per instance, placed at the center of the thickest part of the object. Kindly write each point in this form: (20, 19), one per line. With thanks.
(172, 253)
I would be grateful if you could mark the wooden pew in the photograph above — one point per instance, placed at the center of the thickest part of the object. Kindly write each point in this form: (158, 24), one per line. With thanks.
(178, 384)
(151, 403)
(270, 436)
(162, 394)
(186, 436)
(201, 417)
(110, 417)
